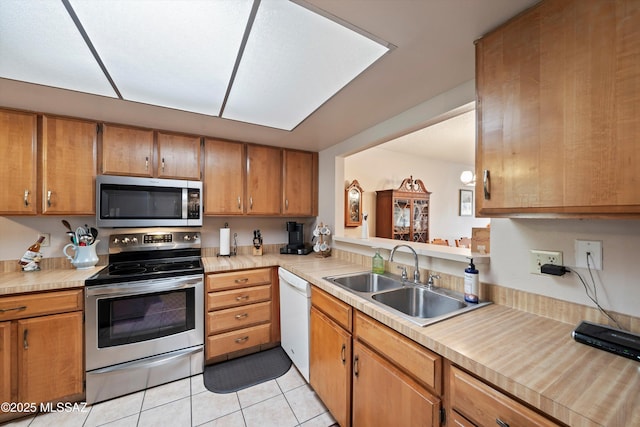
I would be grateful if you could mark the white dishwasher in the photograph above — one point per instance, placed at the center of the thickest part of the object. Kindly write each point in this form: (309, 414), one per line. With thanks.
(295, 303)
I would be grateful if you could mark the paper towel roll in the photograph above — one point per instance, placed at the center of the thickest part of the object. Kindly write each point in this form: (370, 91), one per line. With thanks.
(225, 241)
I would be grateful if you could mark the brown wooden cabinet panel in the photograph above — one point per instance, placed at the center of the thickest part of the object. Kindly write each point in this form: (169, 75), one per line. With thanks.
(237, 340)
(264, 180)
(50, 357)
(402, 400)
(178, 156)
(483, 405)
(18, 163)
(127, 151)
(224, 177)
(239, 279)
(330, 365)
(300, 178)
(68, 166)
(238, 317)
(557, 111)
(340, 312)
(5, 361)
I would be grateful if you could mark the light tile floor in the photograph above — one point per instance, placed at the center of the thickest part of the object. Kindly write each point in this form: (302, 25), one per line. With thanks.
(287, 401)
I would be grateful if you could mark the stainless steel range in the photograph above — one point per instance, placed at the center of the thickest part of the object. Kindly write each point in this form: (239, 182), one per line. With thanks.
(144, 314)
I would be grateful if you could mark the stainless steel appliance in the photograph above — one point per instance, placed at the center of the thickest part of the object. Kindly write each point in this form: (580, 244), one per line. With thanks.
(124, 201)
(144, 314)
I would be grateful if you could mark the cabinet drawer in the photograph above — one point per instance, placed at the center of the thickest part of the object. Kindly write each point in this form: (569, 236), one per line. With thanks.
(332, 307)
(416, 360)
(237, 297)
(238, 317)
(237, 340)
(483, 405)
(41, 303)
(238, 279)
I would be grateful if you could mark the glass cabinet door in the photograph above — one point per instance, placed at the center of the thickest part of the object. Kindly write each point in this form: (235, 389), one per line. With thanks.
(420, 226)
(401, 219)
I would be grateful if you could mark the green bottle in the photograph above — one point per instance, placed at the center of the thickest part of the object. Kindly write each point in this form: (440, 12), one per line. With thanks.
(377, 263)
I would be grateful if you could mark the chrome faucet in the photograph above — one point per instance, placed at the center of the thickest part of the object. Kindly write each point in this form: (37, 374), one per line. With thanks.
(430, 284)
(416, 273)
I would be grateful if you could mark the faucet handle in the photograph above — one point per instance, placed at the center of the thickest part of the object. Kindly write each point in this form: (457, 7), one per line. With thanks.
(431, 277)
(404, 272)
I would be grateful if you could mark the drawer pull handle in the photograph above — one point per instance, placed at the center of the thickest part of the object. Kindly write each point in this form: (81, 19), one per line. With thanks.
(242, 316)
(26, 197)
(342, 354)
(241, 297)
(146, 163)
(163, 164)
(49, 198)
(355, 366)
(243, 280)
(244, 339)
(25, 344)
(239, 205)
(501, 423)
(4, 310)
(486, 180)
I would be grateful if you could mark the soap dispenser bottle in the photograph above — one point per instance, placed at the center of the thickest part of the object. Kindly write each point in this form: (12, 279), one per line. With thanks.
(471, 283)
(377, 263)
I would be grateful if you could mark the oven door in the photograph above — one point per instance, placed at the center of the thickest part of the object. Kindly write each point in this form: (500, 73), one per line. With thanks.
(134, 320)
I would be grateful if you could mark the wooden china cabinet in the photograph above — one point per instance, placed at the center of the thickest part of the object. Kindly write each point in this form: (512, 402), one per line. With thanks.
(403, 214)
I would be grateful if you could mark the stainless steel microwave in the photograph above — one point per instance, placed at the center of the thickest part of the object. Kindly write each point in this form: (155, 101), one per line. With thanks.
(123, 201)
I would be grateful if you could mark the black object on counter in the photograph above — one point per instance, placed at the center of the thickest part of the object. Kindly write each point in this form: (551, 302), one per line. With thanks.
(296, 244)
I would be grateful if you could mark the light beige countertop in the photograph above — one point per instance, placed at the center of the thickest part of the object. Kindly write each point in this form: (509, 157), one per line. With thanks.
(531, 357)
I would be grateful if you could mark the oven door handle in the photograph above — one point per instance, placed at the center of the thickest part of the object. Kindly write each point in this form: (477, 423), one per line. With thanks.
(143, 287)
(149, 361)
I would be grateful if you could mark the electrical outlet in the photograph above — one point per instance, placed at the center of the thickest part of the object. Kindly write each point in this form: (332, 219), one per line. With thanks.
(47, 239)
(538, 258)
(594, 249)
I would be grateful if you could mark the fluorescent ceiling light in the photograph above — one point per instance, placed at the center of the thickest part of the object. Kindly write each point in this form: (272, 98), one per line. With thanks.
(269, 62)
(39, 43)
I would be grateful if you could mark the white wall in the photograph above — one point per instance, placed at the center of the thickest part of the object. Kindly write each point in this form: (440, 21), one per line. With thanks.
(511, 240)
(381, 169)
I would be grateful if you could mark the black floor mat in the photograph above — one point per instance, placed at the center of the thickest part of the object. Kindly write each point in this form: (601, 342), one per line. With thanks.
(246, 371)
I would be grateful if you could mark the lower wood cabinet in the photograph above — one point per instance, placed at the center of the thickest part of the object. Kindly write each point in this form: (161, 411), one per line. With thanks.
(330, 354)
(475, 403)
(41, 348)
(240, 313)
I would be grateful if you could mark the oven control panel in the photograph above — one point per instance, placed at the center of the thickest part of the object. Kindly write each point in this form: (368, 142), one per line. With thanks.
(153, 240)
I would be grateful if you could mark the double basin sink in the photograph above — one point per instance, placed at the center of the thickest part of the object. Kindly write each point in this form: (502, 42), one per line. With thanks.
(414, 302)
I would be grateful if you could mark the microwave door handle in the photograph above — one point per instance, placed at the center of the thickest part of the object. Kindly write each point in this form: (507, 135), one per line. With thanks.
(185, 203)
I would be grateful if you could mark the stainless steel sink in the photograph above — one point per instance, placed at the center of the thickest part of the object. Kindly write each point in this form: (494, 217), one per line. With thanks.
(419, 302)
(366, 282)
(414, 302)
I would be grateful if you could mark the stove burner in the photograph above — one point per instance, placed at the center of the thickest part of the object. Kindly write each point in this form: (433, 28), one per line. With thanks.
(173, 266)
(123, 271)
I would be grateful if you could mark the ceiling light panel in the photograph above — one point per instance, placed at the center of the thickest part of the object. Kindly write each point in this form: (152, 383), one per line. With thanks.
(294, 61)
(39, 43)
(173, 53)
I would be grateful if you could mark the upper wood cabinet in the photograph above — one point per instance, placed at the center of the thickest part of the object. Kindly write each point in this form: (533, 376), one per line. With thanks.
(68, 166)
(18, 163)
(130, 151)
(224, 177)
(178, 156)
(127, 151)
(558, 90)
(264, 180)
(300, 183)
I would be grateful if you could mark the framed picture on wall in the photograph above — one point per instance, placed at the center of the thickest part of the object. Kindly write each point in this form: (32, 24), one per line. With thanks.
(466, 202)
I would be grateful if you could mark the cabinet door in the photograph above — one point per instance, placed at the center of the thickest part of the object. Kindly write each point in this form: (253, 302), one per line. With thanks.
(557, 111)
(264, 180)
(330, 365)
(5, 362)
(68, 166)
(50, 357)
(224, 177)
(127, 151)
(384, 396)
(18, 142)
(178, 156)
(300, 183)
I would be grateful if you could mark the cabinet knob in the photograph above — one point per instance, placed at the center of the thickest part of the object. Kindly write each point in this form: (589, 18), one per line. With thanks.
(250, 202)
(342, 354)
(49, 198)
(26, 197)
(241, 340)
(355, 366)
(146, 163)
(163, 164)
(286, 204)
(25, 343)
(242, 316)
(239, 205)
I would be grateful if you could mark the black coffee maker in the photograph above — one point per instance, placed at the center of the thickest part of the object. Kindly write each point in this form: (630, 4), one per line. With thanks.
(296, 244)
